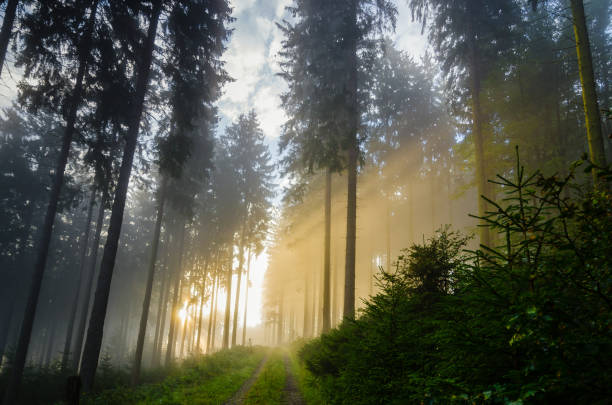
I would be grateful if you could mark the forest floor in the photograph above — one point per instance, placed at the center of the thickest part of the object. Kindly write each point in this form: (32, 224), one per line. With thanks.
(240, 376)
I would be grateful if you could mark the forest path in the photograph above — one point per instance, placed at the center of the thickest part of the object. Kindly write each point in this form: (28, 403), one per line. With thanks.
(291, 393)
(240, 395)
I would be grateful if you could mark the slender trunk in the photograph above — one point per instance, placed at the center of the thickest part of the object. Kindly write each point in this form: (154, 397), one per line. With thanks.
(184, 335)
(80, 334)
(388, 234)
(334, 319)
(161, 311)
(279, 331)
(214, 330)
(327, 253)
(589, 92)
(306, 329)
(149, 288)
(175, 300)
(432, 202)
(477, 121)
(98, 312)
(228, 301)
(202, 292)
(353, 151)
(7, 27)
(10, 394)
(50, 342)
(212, 306)
(75, 302)
(246, 297)
(237, 301)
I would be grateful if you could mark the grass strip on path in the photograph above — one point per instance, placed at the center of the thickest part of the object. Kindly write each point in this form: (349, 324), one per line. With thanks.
(268, 389)
(212, 379)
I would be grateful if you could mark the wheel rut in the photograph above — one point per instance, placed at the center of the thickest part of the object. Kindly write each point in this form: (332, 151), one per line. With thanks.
(240, 395)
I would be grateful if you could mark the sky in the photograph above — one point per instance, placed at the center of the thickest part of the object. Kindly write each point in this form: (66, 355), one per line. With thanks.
(252, 61)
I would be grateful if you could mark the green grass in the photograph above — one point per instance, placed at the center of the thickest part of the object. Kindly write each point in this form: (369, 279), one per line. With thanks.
(305, 380)
(210, 380)
(268, 389)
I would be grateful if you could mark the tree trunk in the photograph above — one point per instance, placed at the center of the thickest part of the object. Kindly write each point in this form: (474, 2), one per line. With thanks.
(327, 253)
(214, 329)
(175, 300)
(149, 287)
(477, 121)
(589, 92)
(75, 302)
(212, 306)
(7, 27)
(306, 329)
(279, 330)
(246, 297)
(80, 334)
(10, 395)
(202, 292)
(228, 300)
(240, 264)
(98, 311)
(161, 311)
(353, 151)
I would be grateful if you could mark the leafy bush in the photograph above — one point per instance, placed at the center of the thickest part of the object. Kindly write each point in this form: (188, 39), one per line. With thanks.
(524, 322)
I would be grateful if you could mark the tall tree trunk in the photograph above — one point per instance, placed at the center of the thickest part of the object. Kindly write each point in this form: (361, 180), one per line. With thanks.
(95, 331)
(306, 329)
(279, 330)
(477, 122)
(240, 264)
(228, 300)
(202, 292)
(149, 287)
(213, 299)
(326, 254)
(75, 302)
(175, 300)
(214, 328)
(7, 27)
(353, 151)
(93, 261)
(246, 297)
(589, 92)
(50, 341)
(10, 395)
(161, 310)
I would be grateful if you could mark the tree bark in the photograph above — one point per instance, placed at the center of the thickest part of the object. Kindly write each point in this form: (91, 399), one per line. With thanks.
(306, 328)
(80, 334)
(202, 292)
(212, 306)
(7, 27)
(75, 302)
(326, 254)
(589, 92)
(214, 328)
(175, 300)
(161, 310)
(240, 264)
(10, 395)
(477, 121)
(95, 331)
(149, 287)
(228, 300)
(353, 151)
(246, 297)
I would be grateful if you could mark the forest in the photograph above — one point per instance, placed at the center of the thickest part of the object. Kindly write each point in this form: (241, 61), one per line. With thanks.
(305, 202)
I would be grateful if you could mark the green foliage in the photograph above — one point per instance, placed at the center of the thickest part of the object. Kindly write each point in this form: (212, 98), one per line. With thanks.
(210, 380)
(524, 322)
(268, 389)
